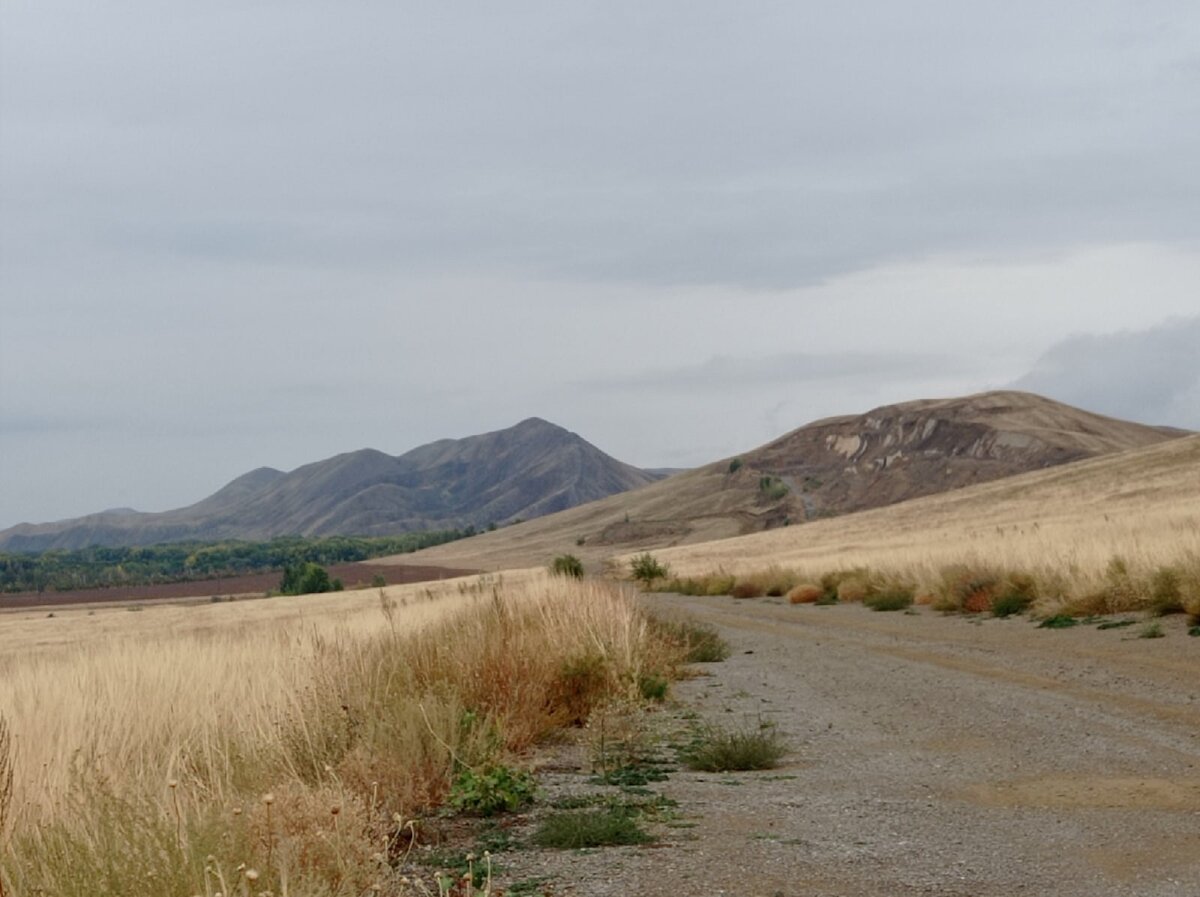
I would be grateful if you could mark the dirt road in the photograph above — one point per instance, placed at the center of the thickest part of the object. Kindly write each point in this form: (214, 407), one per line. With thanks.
(933, 756)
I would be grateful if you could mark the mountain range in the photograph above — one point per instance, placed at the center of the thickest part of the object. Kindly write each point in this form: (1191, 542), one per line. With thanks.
(830, 467)
(528, 470)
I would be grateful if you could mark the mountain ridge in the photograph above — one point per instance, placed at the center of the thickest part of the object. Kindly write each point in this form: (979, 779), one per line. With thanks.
(832, 466)
(532, 468)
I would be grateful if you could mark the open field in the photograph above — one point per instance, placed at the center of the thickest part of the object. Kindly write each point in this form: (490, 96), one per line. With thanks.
(1069, 522)
(285, 734)
(357, 575)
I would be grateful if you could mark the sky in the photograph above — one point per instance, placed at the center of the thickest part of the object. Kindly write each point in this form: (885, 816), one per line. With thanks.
(237, 234)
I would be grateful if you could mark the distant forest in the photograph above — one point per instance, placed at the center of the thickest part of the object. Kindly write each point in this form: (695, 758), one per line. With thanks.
(95, 567)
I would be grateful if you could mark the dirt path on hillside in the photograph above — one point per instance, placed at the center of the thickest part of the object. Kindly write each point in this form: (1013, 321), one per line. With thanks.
(931, 756)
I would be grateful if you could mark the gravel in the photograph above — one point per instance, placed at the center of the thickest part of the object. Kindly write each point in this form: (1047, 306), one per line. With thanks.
(930, 756)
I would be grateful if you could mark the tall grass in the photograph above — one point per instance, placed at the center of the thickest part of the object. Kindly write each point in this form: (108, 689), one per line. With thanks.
(175, 764)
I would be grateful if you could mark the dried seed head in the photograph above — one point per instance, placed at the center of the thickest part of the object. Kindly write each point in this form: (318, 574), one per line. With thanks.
(335, 810)
(268, 798)
(251, 875)
(172, 784)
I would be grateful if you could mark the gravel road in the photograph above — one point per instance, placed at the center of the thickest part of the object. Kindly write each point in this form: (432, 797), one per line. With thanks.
(931, 756)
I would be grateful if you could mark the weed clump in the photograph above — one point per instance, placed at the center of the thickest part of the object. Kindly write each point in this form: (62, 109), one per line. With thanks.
(727, 750)
(491, 790)
(699, 642)
(577, 829)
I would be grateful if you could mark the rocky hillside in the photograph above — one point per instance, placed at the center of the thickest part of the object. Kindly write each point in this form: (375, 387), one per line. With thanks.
(526, 471)
(826, 468)
(898, 452)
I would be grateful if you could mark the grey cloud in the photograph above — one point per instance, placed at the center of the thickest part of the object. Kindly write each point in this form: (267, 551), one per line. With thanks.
(1151, 376)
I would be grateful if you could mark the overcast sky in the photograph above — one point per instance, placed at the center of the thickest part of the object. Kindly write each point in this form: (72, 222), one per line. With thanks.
(238, 234)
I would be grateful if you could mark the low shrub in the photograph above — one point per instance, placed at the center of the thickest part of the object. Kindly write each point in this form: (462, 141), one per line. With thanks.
(646, 569)
(806, 593)
(1166, 593)
(1152, 630)
(567, 565)
(492, 790)
(747, 589)
(728, 750)
(700, 641)
(889, 598)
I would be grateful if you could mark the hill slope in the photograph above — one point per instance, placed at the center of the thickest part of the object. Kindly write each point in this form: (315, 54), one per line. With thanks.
(1142, 505)
(830, 467)
(528, 470)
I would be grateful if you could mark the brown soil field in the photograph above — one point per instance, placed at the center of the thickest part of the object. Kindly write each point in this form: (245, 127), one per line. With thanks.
(352, 575)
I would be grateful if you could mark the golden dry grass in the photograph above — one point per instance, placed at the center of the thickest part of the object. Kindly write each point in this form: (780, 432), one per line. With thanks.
(1141, 506)
(145, 742)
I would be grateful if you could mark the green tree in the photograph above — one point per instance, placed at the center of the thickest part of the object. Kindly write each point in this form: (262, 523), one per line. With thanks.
(305, 579)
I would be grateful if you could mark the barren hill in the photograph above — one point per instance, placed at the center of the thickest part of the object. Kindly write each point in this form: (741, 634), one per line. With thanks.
(830, 467)
(525, 471)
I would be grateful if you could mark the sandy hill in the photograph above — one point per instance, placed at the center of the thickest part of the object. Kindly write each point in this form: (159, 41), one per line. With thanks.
(525, 471)
(831, 467)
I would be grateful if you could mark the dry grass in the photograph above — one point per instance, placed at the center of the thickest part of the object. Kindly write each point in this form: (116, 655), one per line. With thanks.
(295, 736)
(1063, 526)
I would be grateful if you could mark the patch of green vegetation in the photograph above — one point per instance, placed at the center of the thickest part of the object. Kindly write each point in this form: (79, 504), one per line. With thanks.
(1011, 604)
(717, 749)
(735, 465)
(99, 566)
(567, 565)
(1152, 630)
(1116, 624)
(653, 687)
(772, 488)
(890, 599)
(1194, 631)
(577, 829)
(1058, 621)
(634, 775)
(530, 887)
(646, 568)
(492, 790)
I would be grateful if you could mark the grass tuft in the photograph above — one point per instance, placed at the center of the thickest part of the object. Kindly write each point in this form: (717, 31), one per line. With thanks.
(728, 750)
(577, 829)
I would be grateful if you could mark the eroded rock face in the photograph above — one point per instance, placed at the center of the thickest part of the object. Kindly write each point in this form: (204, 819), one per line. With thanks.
(918, 448)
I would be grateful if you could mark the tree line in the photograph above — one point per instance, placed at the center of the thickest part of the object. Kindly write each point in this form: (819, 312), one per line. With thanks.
(98, 566)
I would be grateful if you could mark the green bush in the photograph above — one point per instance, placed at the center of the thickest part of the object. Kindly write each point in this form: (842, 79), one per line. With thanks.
(646, 568)
(735, 465)
(567, 565)
(307, 579)
(495, 789)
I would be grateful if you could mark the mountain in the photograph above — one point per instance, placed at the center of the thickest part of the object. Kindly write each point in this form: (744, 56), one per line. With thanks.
(827, 468)
(528, 470)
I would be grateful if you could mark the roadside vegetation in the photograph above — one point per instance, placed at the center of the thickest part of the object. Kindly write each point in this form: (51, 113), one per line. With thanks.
(973, 589)
(96, 567)
(260, 759)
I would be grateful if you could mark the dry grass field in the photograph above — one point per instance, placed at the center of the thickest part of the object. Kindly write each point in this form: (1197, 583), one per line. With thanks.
(162, 751)
(1065, 524)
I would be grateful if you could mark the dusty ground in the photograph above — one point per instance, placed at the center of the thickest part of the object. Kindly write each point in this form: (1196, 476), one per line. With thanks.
(931, 756)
